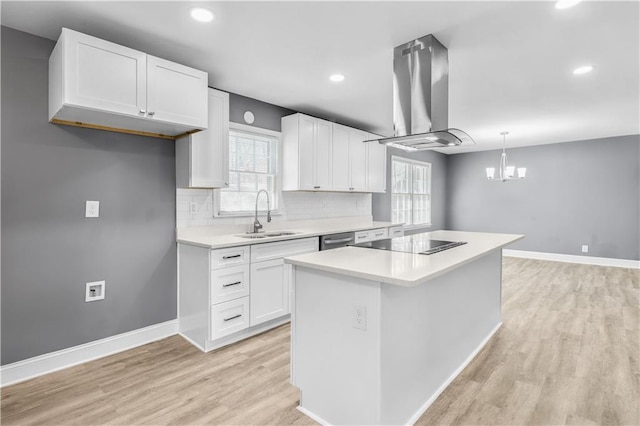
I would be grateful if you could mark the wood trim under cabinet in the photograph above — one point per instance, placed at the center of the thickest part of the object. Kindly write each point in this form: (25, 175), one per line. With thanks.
(120, 130)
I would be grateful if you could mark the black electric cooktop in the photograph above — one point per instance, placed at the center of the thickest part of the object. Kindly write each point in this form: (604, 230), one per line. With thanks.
(417, 243)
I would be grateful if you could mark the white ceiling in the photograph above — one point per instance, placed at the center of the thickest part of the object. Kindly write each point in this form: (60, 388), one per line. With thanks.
(510, 62)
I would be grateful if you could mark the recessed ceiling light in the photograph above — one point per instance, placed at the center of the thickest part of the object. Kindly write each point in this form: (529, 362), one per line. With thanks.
(336, 78)
(583, 70)
(201, 15)
(566, 4)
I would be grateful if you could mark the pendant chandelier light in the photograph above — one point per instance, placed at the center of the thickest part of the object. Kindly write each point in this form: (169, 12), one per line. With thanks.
(506, 172)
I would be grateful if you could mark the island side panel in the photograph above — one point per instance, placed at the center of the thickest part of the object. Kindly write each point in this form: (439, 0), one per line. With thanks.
(336, 366)
(430, 331)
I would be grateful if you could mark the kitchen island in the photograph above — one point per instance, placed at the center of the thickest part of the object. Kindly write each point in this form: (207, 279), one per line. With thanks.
(377, 335)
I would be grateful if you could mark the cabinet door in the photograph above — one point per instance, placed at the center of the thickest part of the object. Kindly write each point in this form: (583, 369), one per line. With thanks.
(202, 159)
(103, 75)
(340, 158)
(176, 93)
(322, 163)
(306, 151)
(358, 160)
(269, 294)
(377, 166)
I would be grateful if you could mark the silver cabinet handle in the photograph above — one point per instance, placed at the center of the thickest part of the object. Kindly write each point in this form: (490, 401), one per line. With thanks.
(232, 318)
(316, 187)
(151, 113)
(231, 257)
(380, 234)
(230, 284)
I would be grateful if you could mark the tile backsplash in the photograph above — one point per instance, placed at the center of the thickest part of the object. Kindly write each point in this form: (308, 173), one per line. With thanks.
(293, 206)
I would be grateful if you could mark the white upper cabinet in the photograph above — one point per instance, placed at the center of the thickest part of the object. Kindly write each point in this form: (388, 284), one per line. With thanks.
(98, 84)
(322, 162)
(202, 159)
(377, 163)
(306, 143)
(341, 169)
(358, 160)
(175, 93)
(322, 156)
(98, 74)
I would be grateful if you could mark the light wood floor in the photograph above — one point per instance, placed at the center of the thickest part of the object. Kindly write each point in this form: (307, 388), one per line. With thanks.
(568, 353)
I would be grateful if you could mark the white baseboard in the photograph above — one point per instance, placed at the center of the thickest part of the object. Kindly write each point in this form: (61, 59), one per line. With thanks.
(455, 374)
(570, 258)
(54, 361)
(312, 416)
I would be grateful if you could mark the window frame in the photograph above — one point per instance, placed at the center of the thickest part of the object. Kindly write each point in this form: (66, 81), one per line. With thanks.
(258, 131)
(411, 162)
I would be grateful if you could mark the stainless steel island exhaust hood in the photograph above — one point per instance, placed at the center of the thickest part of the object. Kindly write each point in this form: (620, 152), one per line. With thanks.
(421, 98)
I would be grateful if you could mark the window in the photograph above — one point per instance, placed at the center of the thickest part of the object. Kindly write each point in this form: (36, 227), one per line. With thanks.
(410, 191)
(253, 165)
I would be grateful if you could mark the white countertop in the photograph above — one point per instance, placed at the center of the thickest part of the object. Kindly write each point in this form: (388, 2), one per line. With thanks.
(214, 237)
(404, 269)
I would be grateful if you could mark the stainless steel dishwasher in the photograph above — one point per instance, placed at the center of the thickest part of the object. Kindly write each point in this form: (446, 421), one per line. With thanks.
(332, 241)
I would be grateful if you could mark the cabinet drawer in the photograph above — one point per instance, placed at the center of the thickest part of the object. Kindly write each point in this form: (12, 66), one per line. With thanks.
(229, 284)
(280, 249)
(362, 237)
(229, 317)
(378, 234)
(221, 258)
(396, 231)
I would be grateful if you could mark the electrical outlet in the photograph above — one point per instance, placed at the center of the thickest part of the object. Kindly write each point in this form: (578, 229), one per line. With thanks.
(360, 317)
(92, 209)
(193, 208)
(94, 291)
(585, 248)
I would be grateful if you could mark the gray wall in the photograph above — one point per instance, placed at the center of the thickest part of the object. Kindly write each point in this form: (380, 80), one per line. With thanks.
(575, 193)
(381, 203)
(49, 250)
(267, 116)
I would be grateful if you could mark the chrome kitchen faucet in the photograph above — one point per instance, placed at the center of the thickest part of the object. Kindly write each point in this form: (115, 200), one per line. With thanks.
(257, 226)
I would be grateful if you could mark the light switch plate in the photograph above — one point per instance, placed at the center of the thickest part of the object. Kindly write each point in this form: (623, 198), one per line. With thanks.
(92, 209)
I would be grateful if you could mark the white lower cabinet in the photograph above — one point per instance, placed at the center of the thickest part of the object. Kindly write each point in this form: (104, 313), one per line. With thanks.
(229, 317)
(371, 235)
(269, 291)
(229, 283)
(396, 231)
(226, 295)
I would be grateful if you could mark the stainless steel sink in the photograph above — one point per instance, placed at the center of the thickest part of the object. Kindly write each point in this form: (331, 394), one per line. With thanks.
(279, 234)
(252, 236)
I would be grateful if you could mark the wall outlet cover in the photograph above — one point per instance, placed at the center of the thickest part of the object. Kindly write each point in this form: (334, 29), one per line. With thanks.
(92, 209)
(585, 248)
(360, 317)
(94, 291)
